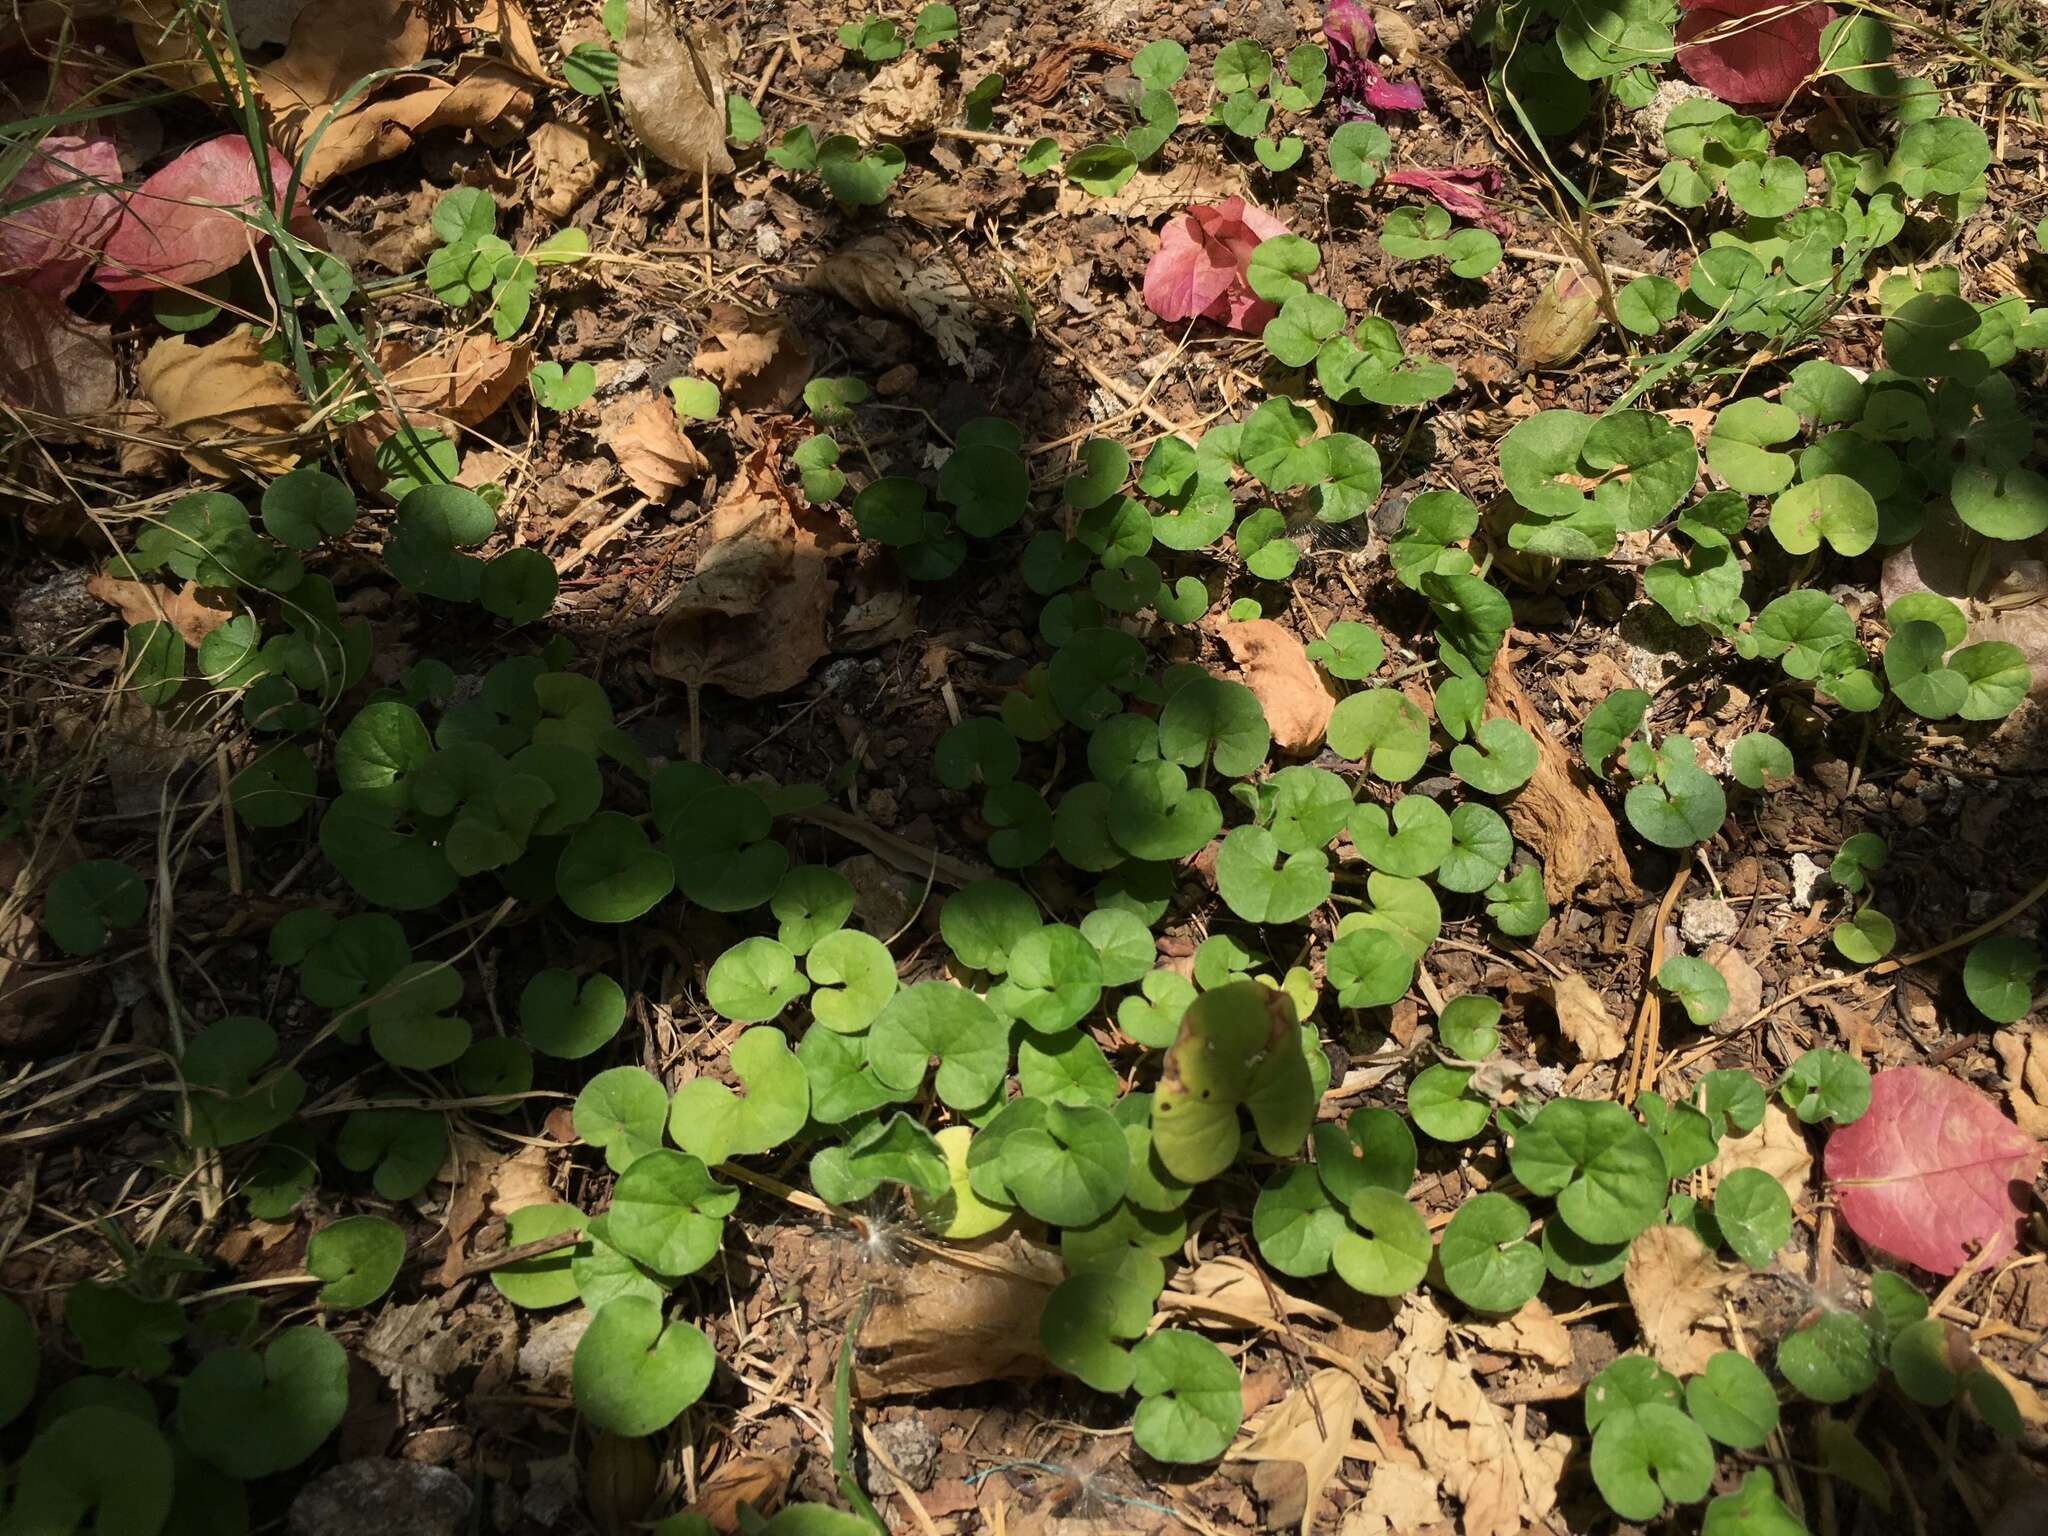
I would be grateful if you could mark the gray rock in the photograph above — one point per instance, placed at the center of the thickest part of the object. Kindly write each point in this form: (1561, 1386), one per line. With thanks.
(1703, 921)
(1806, 878)
(913, 1447)
(382, 1498)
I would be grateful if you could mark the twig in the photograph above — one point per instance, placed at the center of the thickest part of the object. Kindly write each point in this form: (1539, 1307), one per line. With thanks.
(516, 1255)
(983, 136)
(1642, 1057)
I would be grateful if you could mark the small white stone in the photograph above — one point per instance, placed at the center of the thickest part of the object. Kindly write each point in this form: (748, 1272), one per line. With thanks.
(1704, 921)
(1806, 876)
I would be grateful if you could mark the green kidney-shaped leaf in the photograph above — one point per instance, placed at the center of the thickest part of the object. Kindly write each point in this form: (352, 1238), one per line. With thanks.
(667, 1213)
(709, 1121)
(1191, 1402)
(622, 1111)
(357, 1257)
(562, 1020)
(1604, 1168)
(1733, 1401)
(935, 1019)
(251, 1415)
(1830, 1360)
(1648, 1454)
(632, 1375)
(547, 1279)
(1754, 1214)
(1488, 1261)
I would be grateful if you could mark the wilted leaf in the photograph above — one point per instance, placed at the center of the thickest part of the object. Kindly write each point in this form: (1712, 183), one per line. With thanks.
(758, 362)
(903, 100)
(1199, 268)
(646, 439)
(753, 617)
(1300, 1442)
(1557, 813)
(1272, 663)
(672, 87)
(462, 379)
(193, 611)
(881, 275)
(952, 1319)
(1777, 1145)
(1928, 1173)
(334, 44)
(219, 393)
(191, 220)
(568, 159)
(55, 362)
(1585, 1021)
(1676, 1286)
(1464, 190)
(488, 98)
(1751, 53)
(2024, 1053)
(47, 246)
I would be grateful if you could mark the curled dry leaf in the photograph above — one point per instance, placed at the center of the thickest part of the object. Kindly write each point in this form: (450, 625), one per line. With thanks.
(1272, 663)
(1745, 987)
(904, 100)
(1562, 322)
(1584, 1019)
(644, 436)
(568, 161)
(1676, 1287)
(1151, 193)
(750, 1479)
(2024, 1053)
(1400, 1498)
(487, 98)
(461, 379)
(1348, 28)
(753, 617)
(757, 361)
(1777, 1146)
(672, 87)
(1505, 1480)
(1557, 813)
(508, 21)
(1932, 1173)
(1534, 1331)
(228, 396)
(56, 362)
(957, 1318)
(334, 44)
(191, 220)
(193, 611)
(883, 275)
(46, 246)
(1299, 1443)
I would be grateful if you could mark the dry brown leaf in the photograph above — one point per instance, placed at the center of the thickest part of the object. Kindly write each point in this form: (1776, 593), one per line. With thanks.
(882, 275)
(757, 361)
(1557, 813)
(1272, 663)
(56, 363)
(1676, 1287)
(1299, 1443)
(743, 1479)
(2024, 1053)
(36, 999)
(1151, 193)
(1777, 1145)
(193, 611)
(1534, 1331)
(954, 1320)
(401, 238)
(223, 391)
(1584, 1019)
(644, 436)
(1399, 1501)
(754, 615)
(568, 162)
(334, 44)
(1503, 1479)
(904, 100)
(672, 87)
(488, 98)
(1562, 322)
(508, 21)
(462, 379)
(1398, 39)
(1745, 987)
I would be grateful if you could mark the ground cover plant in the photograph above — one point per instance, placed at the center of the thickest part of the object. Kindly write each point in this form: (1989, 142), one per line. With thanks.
(813, 771)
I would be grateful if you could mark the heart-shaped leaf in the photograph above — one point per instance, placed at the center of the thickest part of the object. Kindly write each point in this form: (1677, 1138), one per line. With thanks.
(1604, 1169)
(562, 1020)
(709, 1121)
(358, 1257)
(622, 1111)
(547, 1279)
(251, 1415)
(1238, 1045)
(754, 981)
(1191, 1400)
(632, 1375)
(667, 1213)
(231, 1099)
(1648, 1454)
(853, 978)
(1487, 1260)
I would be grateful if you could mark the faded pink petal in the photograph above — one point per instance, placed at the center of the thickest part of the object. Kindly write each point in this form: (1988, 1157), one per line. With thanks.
(1460, 190)
(187, 222)
(1753, 63)
(1348, 30)
(1933, 1172)
(1199, 267)
(47, 246)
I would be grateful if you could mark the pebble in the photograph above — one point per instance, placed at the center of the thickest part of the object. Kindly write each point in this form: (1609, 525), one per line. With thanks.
(913, 1447)
(1806, 876)
(382, 1498)
(1702, 921)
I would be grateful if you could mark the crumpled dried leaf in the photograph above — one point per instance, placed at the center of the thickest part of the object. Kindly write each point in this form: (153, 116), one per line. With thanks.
(1463, 189)
(193, 611)
(1151, 193)
(228, 395)
(265, 23)
(1273, 664)
(904, 100)
(37, 1001)
(490, 99)
(56, 362)
(508, 20)
(334, 44)
(672, 87)
(1298, 1459)
(1745, 987)
(956, 1319)
(1557, 813)
(462, 379)
(188, 221)
(743, 1479)
(1584, 1019)
(1533, 1331)
(1504, 1480)
(1676, 1287)
(758, 361)
(47, 246)
(2024, 1053)
(568, 161)
(644, 436)
(1777, 1145)
(1399, 1500)
(754, 616)
(1562, 322)
(882, 275)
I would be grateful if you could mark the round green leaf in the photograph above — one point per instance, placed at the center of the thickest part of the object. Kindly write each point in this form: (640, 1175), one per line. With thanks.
(1831, 1360)
(1084, 1317)
(558, 1019)
(853, 977)
(1999, 976)
(1381, 728)
(632, 1376)
(98, 1468)
(937, 1019)
(622, 1111)
(1754, 1214)
(1487, 1260)
(1502, 760)
(1647, 1454)
(1191, 1399)
(1604, 1168)
(518, 585)
(1697, 985)
(754, 981)
(546, 1279)
(358, 1257)
(87, 900)
(1733, 1401)
(1443, 1105)
(610, 873)
(251, 1415)
(667, 1213)
(810, 902)
(1826, 1084)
